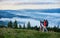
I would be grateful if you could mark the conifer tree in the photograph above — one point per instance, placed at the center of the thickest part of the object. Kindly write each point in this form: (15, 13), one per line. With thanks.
(24, 26)
(10, 24)
(28, 25)
(15, 24)
(20, 26)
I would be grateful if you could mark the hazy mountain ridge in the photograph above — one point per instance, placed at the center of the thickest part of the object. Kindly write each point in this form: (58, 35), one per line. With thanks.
(33, 14)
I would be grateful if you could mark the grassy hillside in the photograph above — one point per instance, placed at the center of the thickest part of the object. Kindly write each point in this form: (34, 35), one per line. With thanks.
(23, 33)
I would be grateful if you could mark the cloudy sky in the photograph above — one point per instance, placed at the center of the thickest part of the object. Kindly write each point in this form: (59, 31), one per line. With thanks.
(29, 4)
(36, 6)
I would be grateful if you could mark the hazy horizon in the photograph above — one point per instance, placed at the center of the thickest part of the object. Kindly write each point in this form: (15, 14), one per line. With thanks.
(30, 10)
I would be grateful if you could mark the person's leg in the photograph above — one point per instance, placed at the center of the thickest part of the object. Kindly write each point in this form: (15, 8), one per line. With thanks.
(40, 27)
(46, 29)
(43, 29)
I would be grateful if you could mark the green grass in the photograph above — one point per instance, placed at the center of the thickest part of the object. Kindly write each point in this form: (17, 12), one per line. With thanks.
(24, 33)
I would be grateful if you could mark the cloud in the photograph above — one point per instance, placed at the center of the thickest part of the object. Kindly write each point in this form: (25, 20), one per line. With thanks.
(29, 4)
(51, 14)
(2, 0)
(31, 1)
(33, 22)
(53, 18)
(16, 7)
(34, 3)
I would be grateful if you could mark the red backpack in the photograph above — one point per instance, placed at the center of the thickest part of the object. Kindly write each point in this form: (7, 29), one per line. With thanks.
(45, 23)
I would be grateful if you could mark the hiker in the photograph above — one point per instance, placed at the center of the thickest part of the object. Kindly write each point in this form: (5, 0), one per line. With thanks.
(45, 25)
(41, 27)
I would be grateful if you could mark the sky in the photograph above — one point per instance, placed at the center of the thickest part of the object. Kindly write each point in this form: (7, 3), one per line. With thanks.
(29, 4)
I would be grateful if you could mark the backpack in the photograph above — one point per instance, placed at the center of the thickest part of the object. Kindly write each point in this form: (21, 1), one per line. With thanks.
(46, 22)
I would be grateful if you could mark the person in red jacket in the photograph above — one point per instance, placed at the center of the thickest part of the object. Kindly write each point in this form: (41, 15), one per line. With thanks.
(45, 23)
(45, 26)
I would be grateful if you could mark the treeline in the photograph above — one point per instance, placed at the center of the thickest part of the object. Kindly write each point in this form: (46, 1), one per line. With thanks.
(54, 29)
(14, 25)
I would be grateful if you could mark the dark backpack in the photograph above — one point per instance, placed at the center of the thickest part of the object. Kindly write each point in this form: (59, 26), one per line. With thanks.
(47, 22)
